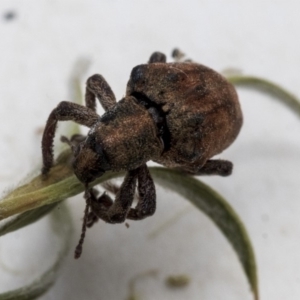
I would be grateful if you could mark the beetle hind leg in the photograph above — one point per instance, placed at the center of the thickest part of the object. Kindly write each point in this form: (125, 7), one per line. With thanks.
(179, 56)
(157, 57)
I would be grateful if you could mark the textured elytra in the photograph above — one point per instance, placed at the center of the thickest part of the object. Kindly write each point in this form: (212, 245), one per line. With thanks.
(201, 107)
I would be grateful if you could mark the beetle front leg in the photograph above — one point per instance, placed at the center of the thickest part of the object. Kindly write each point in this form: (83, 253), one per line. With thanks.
(103, 201)
(96, 86)
(117, 212)
(65, 111)
(147, 196)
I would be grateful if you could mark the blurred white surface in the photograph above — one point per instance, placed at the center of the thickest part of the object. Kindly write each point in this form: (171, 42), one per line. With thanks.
(37, 51)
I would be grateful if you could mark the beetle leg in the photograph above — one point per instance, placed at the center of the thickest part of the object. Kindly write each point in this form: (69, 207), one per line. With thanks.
(96, 86)
(117, 212)
(147, 196)
(65, 111)
(179, 56)
(114, 188)
(103, 201)
(111, 187)
(157, 57)
(146, 203)
(212, 167)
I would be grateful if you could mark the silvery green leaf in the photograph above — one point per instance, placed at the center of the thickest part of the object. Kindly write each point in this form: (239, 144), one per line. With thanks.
(26, 218)
(75, 94)
(62, 184)
(218, 210)
(269, 88)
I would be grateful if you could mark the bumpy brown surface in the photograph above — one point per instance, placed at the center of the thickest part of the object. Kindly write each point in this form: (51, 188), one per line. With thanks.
(128, 135)
(202, 110)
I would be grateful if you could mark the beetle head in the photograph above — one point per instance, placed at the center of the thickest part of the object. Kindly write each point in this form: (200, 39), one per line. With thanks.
(89, 160)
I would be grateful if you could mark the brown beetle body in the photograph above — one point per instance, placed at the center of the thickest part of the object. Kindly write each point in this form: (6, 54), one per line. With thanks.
(177, 114)
(202, 118)
(202, 111)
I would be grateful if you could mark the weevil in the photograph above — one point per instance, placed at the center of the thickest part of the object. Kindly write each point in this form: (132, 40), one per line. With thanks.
(177, 114)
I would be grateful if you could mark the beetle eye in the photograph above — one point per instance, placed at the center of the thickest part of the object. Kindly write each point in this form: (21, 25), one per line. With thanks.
(90, 141)
(102, 159)
(77, 149)
(95, 146)
(96, 173)
(98, 149)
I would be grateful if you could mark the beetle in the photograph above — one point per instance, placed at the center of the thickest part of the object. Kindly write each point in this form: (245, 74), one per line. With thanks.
(177, 114)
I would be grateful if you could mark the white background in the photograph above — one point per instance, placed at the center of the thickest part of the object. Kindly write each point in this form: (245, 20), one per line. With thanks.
(37, 51)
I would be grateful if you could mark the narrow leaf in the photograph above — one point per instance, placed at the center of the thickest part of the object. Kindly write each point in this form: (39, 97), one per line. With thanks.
(59, 184)
(26, 218)
(269, 88)
(218, 209)
(211, 203)
(75, 94)
(79, 69)
(60, 218)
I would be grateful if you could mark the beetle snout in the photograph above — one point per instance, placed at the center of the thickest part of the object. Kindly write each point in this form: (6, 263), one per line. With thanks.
(85, 166)
(86, 176)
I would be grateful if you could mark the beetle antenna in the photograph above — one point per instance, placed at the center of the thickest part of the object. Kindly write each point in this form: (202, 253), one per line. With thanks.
(64, 139)
(78, 249)
(74, 141)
